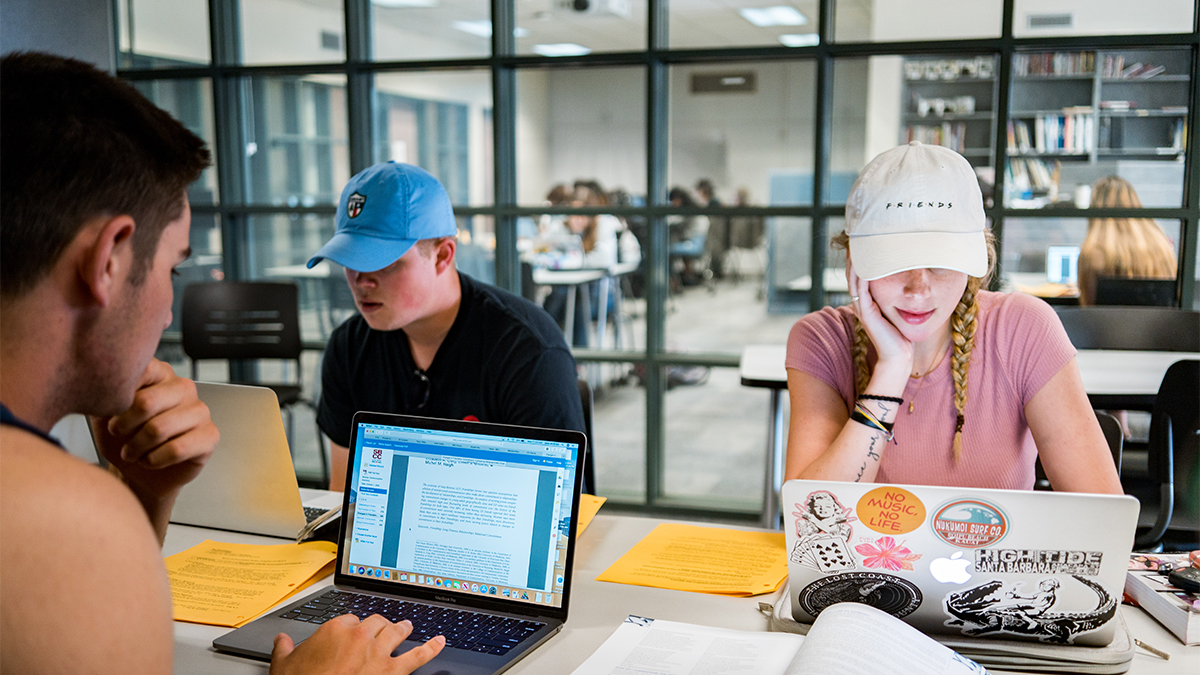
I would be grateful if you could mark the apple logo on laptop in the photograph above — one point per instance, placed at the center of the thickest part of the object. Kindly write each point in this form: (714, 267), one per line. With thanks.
(952, 570)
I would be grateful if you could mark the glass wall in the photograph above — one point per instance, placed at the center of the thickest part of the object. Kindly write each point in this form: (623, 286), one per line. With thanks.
(655, 192)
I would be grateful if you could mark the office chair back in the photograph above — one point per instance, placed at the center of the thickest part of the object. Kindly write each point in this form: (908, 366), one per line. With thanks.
(250, 320)
(241, 320)
(1135, 291)
(1160, 329)
(589, 467)
(1174, 451)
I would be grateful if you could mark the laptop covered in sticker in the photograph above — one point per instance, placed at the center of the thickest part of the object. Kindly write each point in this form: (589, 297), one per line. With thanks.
(464, 528)
(1013, 564)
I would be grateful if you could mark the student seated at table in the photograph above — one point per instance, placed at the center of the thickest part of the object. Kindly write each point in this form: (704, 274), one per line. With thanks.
(926, 378)
(95, 220)
(429, 340)
(598, 239)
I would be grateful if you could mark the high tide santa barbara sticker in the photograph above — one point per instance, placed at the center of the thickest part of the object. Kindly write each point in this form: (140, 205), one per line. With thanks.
(969, 523)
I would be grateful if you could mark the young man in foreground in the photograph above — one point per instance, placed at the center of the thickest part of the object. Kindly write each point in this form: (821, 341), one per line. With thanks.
(93, 220)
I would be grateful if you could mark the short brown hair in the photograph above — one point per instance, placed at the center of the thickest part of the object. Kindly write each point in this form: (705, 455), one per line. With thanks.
(77, 144)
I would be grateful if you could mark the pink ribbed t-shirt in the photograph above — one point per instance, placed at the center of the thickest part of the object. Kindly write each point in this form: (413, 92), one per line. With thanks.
(1019, 345)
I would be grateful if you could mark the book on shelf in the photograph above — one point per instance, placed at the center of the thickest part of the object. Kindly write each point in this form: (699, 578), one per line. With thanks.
(947, 134)
(1176, 610)
(1055, 64)
(847, 638)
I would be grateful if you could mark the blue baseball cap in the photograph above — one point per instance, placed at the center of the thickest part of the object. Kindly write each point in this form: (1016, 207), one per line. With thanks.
(383, 211)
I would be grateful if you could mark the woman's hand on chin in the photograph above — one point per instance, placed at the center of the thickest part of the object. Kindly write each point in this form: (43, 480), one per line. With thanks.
(894, 351)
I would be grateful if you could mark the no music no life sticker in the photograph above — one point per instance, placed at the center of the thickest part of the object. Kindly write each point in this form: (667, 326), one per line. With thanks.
(891, 510)
(969, 523)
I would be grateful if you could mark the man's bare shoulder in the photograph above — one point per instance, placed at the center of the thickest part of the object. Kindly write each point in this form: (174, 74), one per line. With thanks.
(79, 558)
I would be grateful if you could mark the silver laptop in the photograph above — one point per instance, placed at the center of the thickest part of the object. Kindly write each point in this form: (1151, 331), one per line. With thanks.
(249, 483)
(464, 528)
(1015, 564)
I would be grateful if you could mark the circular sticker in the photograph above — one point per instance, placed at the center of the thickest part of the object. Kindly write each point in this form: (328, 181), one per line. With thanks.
(969, 523)
(891, 510)
(896, 596)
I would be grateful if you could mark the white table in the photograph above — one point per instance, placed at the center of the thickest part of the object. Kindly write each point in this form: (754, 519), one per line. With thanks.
(597, 608)
(574, 278)
(1113, 380)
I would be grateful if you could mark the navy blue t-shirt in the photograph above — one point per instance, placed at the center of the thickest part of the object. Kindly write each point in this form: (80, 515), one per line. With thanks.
(504, 360)
(7, 418)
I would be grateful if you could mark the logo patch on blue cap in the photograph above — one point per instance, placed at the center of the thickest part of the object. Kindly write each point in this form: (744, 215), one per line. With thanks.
(354, 204)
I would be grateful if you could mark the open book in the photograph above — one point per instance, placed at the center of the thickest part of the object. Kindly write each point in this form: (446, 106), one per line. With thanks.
(848, 638)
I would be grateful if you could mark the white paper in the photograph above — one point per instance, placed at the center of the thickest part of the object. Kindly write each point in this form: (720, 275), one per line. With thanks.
(649, 647)
(855, 639)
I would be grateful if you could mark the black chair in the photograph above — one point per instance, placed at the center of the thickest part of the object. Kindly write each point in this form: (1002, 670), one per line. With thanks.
(1158, 329)
(1135, 291)
(1112, 434)
(589, 467)
(249, 321)
(1174, 449)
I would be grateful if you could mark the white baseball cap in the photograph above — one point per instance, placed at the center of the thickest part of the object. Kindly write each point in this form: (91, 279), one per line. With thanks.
(916, 206)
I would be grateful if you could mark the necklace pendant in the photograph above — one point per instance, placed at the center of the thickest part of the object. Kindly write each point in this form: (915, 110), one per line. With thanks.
(910, 407)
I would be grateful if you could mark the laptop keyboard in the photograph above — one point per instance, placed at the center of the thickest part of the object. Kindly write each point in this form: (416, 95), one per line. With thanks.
(473, 631)
(311, 513)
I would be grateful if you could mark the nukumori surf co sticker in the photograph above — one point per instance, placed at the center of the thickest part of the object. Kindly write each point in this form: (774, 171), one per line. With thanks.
(1034, 561)
(990, 608)
(896, 596)
(823, 532)
(891, 510)
(969, 523)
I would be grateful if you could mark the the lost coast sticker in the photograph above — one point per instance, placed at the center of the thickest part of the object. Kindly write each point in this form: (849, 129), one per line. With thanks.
(896, 596)
(969, 523)
(1034, 561)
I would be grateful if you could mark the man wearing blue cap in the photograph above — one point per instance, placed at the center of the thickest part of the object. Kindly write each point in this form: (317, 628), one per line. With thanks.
(427, 340)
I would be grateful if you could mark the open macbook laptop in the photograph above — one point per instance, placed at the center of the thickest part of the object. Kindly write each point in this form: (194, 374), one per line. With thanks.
(464, 528)
(249, 483)
(1014, 564)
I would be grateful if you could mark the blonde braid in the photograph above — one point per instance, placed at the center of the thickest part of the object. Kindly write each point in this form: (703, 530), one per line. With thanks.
(962, 325)
(862, 375)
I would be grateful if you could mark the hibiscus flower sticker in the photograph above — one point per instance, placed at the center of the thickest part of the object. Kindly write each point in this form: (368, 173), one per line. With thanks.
(887, 554)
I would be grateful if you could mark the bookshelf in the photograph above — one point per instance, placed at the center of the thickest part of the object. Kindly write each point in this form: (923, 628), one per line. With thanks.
(1093, 108)
(949, 101)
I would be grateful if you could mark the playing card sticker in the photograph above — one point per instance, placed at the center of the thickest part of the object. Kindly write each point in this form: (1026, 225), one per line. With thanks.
(823, 530)
(896, 596)
(891, 510)
(969, 523)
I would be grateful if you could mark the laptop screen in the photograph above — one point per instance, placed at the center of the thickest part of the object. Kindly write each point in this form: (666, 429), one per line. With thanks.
(460, 511)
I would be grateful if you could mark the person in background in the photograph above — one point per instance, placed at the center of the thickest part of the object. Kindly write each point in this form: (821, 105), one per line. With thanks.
(926, 378)
(689, 236)
(599, 240)
(1121, 247)
(95, 219)
(718, 241)
(429, 340)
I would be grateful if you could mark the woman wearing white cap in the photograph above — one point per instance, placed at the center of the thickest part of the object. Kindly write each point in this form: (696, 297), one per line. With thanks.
(925, 378)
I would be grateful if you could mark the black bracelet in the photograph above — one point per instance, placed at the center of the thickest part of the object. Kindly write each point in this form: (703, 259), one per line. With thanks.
(862, 419)
(891, 399)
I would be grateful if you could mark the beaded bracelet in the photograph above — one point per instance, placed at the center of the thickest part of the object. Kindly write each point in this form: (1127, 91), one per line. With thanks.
(891, 399)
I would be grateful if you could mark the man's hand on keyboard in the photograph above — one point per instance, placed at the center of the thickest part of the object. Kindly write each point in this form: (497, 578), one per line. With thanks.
(346, 646)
